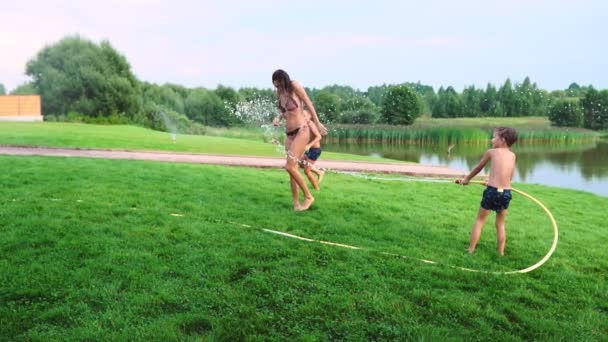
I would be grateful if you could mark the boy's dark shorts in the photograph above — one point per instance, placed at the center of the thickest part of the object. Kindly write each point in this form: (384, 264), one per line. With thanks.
(313, 154)
(496, 200)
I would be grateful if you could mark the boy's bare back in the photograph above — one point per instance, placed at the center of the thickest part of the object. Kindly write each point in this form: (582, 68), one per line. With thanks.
(501, 158)
(502, 167)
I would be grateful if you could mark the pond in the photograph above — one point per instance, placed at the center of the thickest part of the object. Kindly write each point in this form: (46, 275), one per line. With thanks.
(574, 166)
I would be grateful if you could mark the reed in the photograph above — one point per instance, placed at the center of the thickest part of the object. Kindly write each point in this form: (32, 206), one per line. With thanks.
(469, 135)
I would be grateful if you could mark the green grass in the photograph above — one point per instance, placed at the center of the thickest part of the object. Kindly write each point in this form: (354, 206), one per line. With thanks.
(74, 135)
(89, 251)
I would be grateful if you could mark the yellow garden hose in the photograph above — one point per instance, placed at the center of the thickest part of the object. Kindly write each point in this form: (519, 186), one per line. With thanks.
(524, 270)
(555, 233)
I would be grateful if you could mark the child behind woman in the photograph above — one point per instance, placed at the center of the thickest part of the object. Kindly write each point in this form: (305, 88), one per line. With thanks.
(312, 154)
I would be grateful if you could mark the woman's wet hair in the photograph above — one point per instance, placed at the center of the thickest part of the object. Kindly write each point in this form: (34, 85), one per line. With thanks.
(281, 79)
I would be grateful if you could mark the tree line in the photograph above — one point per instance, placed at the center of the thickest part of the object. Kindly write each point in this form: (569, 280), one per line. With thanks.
(80, 80)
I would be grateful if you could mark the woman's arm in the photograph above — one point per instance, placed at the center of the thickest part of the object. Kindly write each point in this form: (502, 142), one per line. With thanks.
(301, 92)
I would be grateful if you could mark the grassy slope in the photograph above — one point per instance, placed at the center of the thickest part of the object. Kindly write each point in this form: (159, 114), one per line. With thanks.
(89, 250)
(55, 134)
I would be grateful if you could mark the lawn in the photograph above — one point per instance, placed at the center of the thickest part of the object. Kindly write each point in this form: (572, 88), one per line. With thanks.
(74, 135)
(128, 250)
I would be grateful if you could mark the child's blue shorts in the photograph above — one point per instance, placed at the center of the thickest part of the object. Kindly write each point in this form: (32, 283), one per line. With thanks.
(496, 199)
(313, 154)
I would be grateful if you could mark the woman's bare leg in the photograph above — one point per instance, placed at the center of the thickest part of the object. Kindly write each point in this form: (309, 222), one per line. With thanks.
(294, 193)
(292, 182)
(294, 153)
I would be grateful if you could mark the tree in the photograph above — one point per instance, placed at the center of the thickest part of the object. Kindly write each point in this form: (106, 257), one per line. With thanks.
(541, 102)
(505, 97)
(522, 98)
(439, 109)
(345, 93)
(471, 101)
(595, 108)
(426, 95)
(428, 102)
(2, 89)
(573, 90)
(454, 105)
(488, 100)
(76, 75)
(206, 107)
(327, 105)
(165, 95)
(252, 94)
(359, 102)
(25, 89)
(178, 89)
(376, 94)
(359, 110)
(401, 106)
(566, 113)
(230, 97)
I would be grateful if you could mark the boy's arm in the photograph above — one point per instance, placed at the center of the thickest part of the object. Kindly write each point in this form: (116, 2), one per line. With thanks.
(316, 135)
(277, 119)
(482, 163)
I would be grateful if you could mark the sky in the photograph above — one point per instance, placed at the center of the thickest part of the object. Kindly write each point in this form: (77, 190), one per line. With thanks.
(320, 43)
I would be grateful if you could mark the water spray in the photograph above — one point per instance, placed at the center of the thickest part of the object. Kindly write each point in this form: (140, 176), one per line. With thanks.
(169, 125)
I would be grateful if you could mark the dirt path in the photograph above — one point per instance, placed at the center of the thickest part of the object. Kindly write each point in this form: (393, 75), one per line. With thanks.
(411, 169)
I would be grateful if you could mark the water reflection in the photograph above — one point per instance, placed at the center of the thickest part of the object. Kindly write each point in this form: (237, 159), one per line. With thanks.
(580, 166)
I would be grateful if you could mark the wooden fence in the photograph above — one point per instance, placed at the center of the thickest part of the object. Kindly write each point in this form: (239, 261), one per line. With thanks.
(20, 107)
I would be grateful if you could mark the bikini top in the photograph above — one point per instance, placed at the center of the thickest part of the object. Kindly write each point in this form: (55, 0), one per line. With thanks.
(291, 105)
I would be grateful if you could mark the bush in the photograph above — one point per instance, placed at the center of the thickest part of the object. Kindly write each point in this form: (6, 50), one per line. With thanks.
(113, 119)
(595, 107)
(362, 116)
(204, 106)
(566, 113)
(400, 106)
(328, 106)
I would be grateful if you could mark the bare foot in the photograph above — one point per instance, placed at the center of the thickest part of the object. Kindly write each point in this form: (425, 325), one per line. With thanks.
(307, 203)
(297, 206)
(468, 250)
(321, 175)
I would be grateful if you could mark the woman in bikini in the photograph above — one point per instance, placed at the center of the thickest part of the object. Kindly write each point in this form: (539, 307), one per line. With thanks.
(291, 97)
